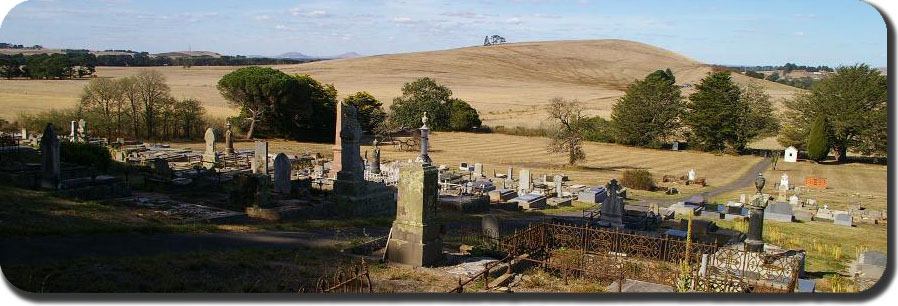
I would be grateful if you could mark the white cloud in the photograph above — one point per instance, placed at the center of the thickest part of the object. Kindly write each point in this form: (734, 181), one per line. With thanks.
(263, 17)
(280, 27)
(402, 20)
(316, 13)
(798, 34)
(312, 14)
(513, 20)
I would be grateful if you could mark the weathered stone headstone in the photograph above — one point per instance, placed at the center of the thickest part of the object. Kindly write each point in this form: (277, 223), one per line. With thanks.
(24, 134)
(675, 146)
(843, 218)
(352, 194)
(784, 182)
(210, 157)
(415, 236)
(525, 183)
(510, 174)
(73, 131)
(478, 170)
(160, 166)
(260, 158)
(282, 172)
(374, 166)
(558, 185)
(490, 226)
(794, 200)
(229, 140)
(338, 142)
(742, 198)
(690, 175)
(613, 208)
(50, 163)
(82, 131)
(778, 211)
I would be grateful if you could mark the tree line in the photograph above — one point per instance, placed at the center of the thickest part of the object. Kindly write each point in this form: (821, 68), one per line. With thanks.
(845, 112)
(82, 63)
(274, 104)
(139, 106)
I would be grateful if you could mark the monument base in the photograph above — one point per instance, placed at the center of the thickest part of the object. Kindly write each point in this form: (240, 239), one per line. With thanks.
(417, 245)
(209, 161)
(363, 198)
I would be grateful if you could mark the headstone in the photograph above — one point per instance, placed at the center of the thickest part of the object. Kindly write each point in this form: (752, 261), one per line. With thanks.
(790, 155)
(82, 131)
(352, 194)
(260, 157)
(73, 131)
(794, 201)
(558, 186)
(24, 134)
(282, 174)
(510, 174)
(824, 213)
(374, 166)
(843, 218)
(675, 146)
(338, 142)
(502, 195)
(210, 157)
(525, 183)
(784, 182)
(415, 236)
(530, 201)
(489, 226)
(594, 195)
(478, 170)
(50, 164)
(690, 175)
(613, 208)
(779, 211)
(161, 167)
(742, 198)
(229, 141)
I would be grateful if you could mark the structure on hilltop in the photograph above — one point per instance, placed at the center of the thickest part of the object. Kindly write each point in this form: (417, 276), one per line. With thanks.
(493, 40)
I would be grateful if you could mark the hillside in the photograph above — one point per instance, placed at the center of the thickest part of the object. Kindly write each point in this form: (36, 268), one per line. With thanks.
(508, 83)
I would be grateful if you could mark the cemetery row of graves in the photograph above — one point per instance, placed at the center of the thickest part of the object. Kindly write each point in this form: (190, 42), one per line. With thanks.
(623, 246)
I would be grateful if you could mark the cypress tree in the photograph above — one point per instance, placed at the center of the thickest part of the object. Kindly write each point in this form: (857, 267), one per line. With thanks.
(818, 143)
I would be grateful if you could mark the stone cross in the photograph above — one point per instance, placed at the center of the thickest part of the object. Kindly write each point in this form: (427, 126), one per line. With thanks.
(50, 164)
(229, 140)
(260, 158)
(283, 169)
(613, 208)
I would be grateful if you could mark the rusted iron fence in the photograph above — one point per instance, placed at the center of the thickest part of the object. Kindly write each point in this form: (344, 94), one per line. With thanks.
(584, 251)
(347, 278)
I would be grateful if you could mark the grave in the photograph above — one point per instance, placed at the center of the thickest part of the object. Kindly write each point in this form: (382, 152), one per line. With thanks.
(489, 226)
(778, 211)
(870, 265)
(794, 201)
(82, 131)
(560, 202)
(803, 215)
(594, 195)
(675, 146)
(352, 194)
(260, 157)
(465, 203)
(502, 195)
(50, 162)
(415, 236)
(824, 214)
(530, 201)
(690, 176)
(229, 141)
(784, 182)
(478, 170)
(843, 218)
(283, 169)
(210, 157)
(525, 182)
(613, 208)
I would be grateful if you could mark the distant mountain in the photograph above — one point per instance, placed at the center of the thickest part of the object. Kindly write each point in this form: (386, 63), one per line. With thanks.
(347, 55)
(295, 55)
(301, 56)
(188, 53)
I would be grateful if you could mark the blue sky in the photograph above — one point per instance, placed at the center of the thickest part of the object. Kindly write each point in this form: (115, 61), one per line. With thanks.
(833, 32)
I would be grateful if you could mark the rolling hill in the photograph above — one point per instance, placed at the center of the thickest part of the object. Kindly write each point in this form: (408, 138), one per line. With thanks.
(507, 83)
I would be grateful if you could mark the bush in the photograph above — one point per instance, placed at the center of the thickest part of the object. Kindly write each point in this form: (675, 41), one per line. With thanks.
(463, 117)
(85, 154)
(638, 179)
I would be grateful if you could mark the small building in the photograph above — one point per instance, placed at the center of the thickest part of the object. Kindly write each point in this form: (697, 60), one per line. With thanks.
(790, 155)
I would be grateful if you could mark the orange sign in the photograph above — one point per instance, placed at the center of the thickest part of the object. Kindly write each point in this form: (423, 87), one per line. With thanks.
(815, 182)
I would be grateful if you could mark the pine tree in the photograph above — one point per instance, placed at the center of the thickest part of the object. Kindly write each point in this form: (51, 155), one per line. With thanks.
(818, 142)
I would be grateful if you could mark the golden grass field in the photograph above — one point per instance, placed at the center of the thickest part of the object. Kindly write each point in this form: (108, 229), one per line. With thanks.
(508, 84)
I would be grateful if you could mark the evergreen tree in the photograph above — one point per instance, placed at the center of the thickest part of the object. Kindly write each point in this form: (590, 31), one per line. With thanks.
(649, 111)
(713, 112)
(818, 144)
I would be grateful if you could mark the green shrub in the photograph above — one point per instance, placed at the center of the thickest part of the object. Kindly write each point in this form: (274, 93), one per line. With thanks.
(85, 154)
(638, 179)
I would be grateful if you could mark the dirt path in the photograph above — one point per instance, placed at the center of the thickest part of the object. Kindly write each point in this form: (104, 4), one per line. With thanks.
(51, 249)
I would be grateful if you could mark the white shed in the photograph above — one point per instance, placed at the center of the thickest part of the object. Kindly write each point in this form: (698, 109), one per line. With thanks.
(790, 155)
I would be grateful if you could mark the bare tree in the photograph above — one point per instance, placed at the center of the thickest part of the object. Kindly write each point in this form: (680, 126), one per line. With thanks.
(104, 96)
(567, 137)
(152, 90)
